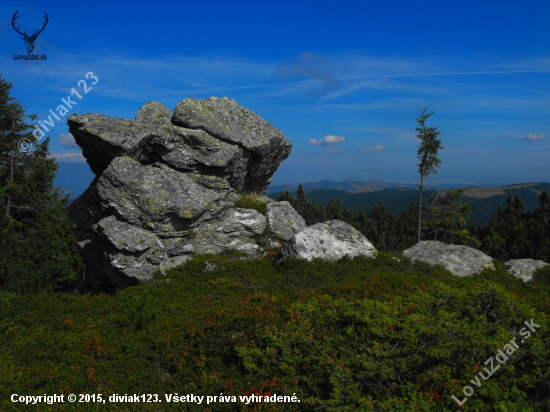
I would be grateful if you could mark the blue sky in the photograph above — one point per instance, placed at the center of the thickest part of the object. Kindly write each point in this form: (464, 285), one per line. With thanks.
(343, 80)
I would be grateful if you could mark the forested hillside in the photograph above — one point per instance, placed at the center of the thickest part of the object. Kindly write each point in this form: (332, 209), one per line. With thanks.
(397, 200)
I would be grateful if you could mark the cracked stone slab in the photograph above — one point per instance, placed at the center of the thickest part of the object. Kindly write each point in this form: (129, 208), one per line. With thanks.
(226, 120)
(125, 237)
(160, 199)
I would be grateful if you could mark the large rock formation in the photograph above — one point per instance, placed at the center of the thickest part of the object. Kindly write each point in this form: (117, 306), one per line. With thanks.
(166, 186)
(214, 137)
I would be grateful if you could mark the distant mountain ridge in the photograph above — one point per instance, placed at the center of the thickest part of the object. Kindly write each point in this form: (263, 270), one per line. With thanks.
(484, 200)
(356, 186)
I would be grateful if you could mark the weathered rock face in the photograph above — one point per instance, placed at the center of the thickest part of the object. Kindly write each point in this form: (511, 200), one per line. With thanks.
(460, 260)
(231, 123)
(166, 187)
(330, 240)
(524, 268)
(215, 137)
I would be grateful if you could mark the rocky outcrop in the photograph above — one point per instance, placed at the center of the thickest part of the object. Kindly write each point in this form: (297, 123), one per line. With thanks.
(459, 260)
(330, 240)
(166, 186)
(524, 268)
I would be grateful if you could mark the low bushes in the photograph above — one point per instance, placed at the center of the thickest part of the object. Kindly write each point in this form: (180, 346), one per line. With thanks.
(357, 334)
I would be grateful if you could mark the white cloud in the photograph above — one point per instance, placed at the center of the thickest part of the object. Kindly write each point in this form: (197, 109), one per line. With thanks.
(377, 148)
(329, 139)
(67, 140)
(69, 157)
(533, 137)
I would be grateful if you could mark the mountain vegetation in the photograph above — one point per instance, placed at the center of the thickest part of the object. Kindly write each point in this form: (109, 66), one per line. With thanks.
(358, 334)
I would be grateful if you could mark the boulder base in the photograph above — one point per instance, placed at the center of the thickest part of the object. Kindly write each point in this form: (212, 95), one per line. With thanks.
(524, 268)
(459, 260)
(330, 240)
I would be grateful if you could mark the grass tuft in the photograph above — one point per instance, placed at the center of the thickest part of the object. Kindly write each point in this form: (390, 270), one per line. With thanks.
(251, 200)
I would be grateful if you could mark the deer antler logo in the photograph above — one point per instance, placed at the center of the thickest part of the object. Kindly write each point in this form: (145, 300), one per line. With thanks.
(29, 40)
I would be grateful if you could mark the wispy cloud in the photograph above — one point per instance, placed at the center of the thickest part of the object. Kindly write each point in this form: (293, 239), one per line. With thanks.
(69, 157)
(533, 137)
(313, 67)
(136, 78)
(327, 77)
(377, 148)
(329, 139)
(67, 140)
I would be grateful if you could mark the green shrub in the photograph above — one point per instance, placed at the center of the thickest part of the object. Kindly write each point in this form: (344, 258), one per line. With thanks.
(137, 313)
(233, 253)
(541, 278)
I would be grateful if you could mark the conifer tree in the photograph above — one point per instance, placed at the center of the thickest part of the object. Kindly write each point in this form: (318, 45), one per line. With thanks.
(447, 216)
(407, 230)
(544, 201)
(285, 196)
(301, 200)
(38, 250)
(506, 235)
(384, 227)
(427, 154)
